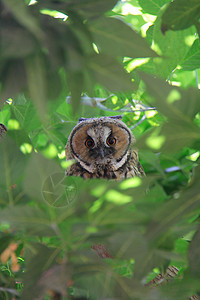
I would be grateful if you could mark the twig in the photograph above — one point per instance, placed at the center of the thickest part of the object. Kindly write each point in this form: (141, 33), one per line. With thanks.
(139, 122)
(12, 291)
(97, 102)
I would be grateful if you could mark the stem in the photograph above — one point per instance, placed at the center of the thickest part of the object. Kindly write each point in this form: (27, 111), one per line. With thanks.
(139, 122)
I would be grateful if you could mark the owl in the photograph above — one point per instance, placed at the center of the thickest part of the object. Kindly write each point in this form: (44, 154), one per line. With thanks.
(3, 130)
(103, 148)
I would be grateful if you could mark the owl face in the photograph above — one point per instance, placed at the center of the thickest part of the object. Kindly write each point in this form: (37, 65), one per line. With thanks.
(101, 146)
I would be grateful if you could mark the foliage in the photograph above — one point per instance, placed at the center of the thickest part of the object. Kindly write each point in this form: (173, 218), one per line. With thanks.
(61, 60)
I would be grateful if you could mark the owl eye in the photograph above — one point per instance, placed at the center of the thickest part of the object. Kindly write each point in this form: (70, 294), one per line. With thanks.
(89, 143)
(111, 141)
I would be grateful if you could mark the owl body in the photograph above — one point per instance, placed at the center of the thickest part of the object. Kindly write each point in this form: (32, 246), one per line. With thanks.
(102, 148)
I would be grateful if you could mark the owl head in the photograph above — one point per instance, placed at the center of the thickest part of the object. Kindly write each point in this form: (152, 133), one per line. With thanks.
(98, 143)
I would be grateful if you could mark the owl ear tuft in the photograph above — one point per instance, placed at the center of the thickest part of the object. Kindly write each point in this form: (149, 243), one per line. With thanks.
(82, 119)
(119, 117)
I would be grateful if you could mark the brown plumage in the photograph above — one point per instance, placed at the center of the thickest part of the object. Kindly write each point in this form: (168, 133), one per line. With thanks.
(3, 130)
(103, 148)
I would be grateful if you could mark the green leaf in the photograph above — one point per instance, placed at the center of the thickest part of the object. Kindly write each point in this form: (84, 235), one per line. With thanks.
(180, 14)
(172, 101)
(24, 113)
(171, 46)
(92, 278)
(15, 43)
(13, 79)
(76, 88)
(186, 204)
(85, 8)
(193, 254)
(5, 114)
(5, 241)
(192, 59)
(92, 8)
(42, 272)
(152, 6)
(32, 220)
(110, 74)
(23, 15)
(180, 131)
(112, 36)
(36, 74)
(12, 165)
(152, 159)
(37, 171)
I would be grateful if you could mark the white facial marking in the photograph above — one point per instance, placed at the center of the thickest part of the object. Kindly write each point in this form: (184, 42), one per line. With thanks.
(91, 132)
(90, 168)
(106, 133)
(97, 135)
(117, 165)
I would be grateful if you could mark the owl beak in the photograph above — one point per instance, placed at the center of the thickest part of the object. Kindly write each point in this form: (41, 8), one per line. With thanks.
(101, 152)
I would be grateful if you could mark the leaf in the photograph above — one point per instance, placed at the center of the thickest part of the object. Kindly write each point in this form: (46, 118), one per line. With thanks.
(173, 211)
(172, 101)
(86, 8)
(15, 43)
(32, 220)
(110, 74)
(152, 6)
(92, 278)
(193, 254)
(37, 171)
(170, 46)
(25, 112)
(42, 272)
(180, 14)
(13, 79)
(152, 159)
(112, 36)
(192, 59)
(180, 130)
(20, 137)
(22, 14)
(36, 74)
(5, 241)
(5, 114)
(75, 81)
(12, 165)
(92, 8)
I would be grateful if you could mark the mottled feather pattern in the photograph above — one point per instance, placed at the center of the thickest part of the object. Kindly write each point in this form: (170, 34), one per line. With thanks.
(171, 273)
(3, 130)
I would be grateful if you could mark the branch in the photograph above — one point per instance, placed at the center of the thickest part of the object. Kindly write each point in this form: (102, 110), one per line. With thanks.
(139, 122)
(97, 102)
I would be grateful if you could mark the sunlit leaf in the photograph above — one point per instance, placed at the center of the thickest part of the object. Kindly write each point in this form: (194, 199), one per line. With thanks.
(180, 14)
(172, 47)
(114, 37)
(191, 60)
(152, 7)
